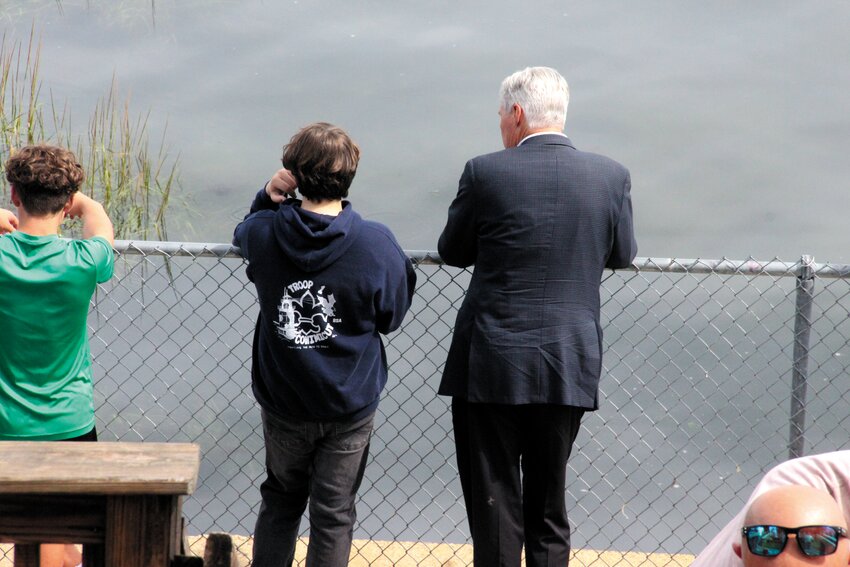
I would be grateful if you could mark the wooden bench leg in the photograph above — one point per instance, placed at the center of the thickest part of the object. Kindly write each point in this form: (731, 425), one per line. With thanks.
(93, 555)
(184, 558)
(142, 531)
(27, 555)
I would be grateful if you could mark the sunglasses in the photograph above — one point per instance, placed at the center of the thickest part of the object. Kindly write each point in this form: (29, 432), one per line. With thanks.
(814, 541)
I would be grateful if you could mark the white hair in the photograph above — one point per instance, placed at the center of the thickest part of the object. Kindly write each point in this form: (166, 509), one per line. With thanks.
(541, 92)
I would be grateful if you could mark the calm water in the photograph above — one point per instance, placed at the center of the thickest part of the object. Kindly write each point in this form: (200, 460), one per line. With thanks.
(733, 117)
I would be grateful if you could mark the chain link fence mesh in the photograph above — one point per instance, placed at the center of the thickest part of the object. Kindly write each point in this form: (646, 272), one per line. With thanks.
(695, 400)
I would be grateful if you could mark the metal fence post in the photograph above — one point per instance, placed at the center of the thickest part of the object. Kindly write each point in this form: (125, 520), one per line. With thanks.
(800, 368)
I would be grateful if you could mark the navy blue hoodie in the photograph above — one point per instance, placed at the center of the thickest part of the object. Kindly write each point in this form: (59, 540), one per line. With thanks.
(328, 287)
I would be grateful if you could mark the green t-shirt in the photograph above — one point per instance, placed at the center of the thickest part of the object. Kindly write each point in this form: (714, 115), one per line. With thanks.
(46, 284)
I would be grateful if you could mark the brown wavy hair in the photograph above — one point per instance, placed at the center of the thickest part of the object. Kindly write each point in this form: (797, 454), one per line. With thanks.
(323, 159)
(44, 177)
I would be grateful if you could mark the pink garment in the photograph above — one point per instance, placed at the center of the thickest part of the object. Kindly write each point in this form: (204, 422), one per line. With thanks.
(829, 472)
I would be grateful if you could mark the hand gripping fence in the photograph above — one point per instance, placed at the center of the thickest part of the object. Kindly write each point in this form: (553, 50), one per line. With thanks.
(714, 371)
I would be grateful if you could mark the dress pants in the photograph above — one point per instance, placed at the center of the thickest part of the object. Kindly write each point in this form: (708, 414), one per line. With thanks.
(512, 462)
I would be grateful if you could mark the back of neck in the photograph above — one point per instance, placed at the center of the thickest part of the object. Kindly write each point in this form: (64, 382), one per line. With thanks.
(327, 207)
(39, 226)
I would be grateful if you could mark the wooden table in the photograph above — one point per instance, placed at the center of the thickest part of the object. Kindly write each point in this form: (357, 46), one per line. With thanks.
(122, 501)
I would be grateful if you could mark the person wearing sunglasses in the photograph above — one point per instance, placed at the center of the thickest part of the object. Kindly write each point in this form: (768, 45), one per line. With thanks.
(829, 473)
(793, 526)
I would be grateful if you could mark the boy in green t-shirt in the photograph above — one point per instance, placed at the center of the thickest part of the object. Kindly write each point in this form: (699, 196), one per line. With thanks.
(46, 284)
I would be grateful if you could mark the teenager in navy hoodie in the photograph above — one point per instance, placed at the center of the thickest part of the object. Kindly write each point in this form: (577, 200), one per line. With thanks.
(329, 284)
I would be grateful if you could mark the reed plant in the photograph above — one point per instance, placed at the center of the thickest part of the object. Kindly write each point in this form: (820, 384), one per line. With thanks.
(133, 182)
(20, 119)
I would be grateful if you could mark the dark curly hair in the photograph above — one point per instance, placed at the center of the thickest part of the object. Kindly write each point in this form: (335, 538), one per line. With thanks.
(323, 160)
(44, 177)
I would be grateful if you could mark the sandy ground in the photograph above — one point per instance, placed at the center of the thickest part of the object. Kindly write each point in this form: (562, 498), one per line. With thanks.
(410, 554)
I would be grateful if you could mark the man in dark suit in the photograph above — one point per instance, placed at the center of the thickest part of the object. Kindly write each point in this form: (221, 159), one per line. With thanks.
(540, 220)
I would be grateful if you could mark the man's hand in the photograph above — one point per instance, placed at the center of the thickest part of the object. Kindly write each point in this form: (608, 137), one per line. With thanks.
(281, 185)
(8, 221)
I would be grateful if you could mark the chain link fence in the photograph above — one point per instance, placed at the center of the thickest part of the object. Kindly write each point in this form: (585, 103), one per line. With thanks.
(702, 361)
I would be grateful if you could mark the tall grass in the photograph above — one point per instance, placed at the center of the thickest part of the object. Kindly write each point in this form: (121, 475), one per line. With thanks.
(133, 183)
(20, 119)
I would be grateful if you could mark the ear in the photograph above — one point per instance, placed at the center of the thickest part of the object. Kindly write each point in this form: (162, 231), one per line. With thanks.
(68, 205)
(736, 547)
(518, 114)
(16, 200)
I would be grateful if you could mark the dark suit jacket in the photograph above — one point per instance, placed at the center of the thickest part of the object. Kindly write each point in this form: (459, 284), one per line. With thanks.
(539, 222)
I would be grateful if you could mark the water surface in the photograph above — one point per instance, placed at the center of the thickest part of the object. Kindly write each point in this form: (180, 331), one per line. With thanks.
(733, 118)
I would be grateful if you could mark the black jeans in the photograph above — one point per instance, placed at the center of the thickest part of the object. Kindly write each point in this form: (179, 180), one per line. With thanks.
(512, 462)
(319, 461)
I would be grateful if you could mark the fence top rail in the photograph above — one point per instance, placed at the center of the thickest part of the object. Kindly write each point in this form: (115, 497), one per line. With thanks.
(723, 266)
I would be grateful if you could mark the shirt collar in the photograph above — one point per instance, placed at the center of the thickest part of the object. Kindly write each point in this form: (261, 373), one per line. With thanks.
(521, 142)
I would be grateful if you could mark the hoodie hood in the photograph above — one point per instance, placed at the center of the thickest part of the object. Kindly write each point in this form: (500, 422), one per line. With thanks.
(313, 241)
